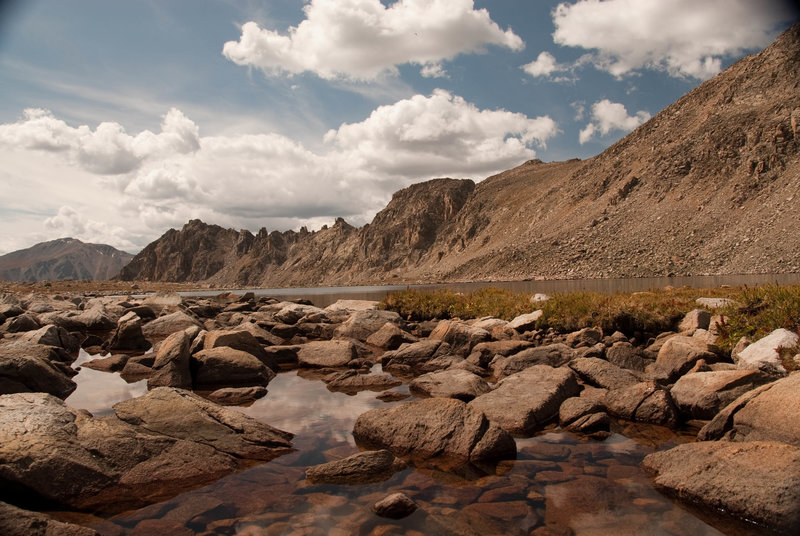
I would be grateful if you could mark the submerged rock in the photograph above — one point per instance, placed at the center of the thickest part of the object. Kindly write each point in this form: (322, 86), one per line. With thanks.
(361, 468)
(395, 506)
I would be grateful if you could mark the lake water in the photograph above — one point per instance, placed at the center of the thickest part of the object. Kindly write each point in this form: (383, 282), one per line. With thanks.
(571, 484)
(324, 296)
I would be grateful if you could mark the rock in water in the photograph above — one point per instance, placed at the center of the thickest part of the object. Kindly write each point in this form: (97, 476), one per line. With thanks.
(361, 468)
(395, 506)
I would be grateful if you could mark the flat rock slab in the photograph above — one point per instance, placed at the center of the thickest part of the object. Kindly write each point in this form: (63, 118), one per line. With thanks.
(321, 354)
(453, 383)
(524, 402)
(756, 481)
(600, 373)
(435, 427)
(361, 468)
(702, 395)
(350, 381)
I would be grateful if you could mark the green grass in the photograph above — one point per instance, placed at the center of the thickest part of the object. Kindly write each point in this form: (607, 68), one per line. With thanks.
(760, 311)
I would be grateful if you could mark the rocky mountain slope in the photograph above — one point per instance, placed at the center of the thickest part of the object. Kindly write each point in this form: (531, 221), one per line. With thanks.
(711, 185)
(65, 258)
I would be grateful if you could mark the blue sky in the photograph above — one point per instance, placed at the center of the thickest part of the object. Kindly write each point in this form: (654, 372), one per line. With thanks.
(120, 119)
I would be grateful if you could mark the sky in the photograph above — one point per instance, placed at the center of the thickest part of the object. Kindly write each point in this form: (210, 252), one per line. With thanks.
(120, 119)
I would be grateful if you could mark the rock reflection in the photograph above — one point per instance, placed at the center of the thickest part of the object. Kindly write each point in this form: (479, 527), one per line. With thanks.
(97, 391)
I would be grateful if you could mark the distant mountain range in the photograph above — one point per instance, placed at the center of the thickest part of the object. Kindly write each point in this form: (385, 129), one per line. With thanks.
(65, 258)
(711, 185)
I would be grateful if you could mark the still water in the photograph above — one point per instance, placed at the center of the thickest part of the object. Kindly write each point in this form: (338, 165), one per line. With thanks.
(560, 481)
(324, 296)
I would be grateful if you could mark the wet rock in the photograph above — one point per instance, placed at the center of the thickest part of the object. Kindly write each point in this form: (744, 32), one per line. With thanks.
(460, 336)
(585, 337)
(526, 322)
(28, 367)
(395, 506)
(225, 367)
(601, 373)
(54, 336)
(642, 402)
(483, 353)
(754, 481)
(171, 366)
(767, 413)
(350, 381)
(762, 354)
(239, 340)
(454, 383)
(677, 356)
(237, 396)
(525, 401)
(390, 337)
(694, 320)
(129, 335)
(553, 355)
(627, 356)
(320, 354)
(410, 356)
(18, 522)
(702, 395)
(435, 427)
(361, 468)
(166, 325)
(362, 324)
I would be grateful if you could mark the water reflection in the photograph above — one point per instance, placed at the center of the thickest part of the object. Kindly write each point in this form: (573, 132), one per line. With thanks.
(97, 391)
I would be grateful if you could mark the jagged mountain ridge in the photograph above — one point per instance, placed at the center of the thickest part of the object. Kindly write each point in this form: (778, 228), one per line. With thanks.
(64, 258)
(707, 186)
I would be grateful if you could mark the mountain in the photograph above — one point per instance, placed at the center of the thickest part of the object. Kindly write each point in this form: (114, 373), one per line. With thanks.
(65, 258)
(711, 185)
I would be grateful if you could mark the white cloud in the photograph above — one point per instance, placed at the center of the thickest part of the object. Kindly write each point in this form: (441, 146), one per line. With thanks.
(544, 65)
(682, 37)
(363, 39)
(433, 70)
(608, 116)
(141, 184)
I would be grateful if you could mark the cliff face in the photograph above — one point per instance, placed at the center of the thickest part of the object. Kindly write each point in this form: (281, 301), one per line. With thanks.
(65, 258)
(709, 185)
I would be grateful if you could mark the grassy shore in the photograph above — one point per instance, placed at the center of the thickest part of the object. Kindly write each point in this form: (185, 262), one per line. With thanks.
(757, 311)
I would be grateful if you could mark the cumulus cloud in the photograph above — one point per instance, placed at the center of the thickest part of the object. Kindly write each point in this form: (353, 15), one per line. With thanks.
(685, 38)
(363, 39)
(544, 65)
(68, 222)
(249, 181)
(608, 116)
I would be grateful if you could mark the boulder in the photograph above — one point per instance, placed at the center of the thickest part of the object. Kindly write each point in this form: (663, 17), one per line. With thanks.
(362, 324)
(239, 340)
(583, 416)
(350, 381)
(642, 402)
(454, 383)
(28, 367)
(526, 322)
(171, 366)
(129, 335)
(483, 353)
(264, 337)
(601, 373)
(460, 336)
(163, 301)
(350, 306)
(585, 337)
(435, 427)
(96, 319)
(18, 522)
(755, 481)
(225, 367)
(283, 355)
(290, 313)
(625, 355)
(395, 506)
(112, 363)
(22, 323)
(166, 325)
(390, 337)
(767, 413)
(411, 356)
(320, 354)
(237, 396)
(54, 336)
(524, 402)
(677, 356)
(361, 468)
(553, 355)
(762, 354)
(489, 323)
(694, 320)
(701, 395)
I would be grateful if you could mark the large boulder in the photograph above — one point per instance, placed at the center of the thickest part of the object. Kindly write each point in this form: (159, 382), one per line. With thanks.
(409, 357)
(483, 353)
(768, 413)
(321, 354)
(642, 402)
(154, 447)
(239, 340)
(600, 373)
(290, 313)
(525, 322)
(585, 337)
(677, 356)
(625, 355)
(460, 336)
(51, 335)
(164, 326)
(526, 401)
(553, 355)
(95, 319)
(362, 324)
(28, 367)
(453, 383)
(694, 320)
(432, 428)
(350, 306)
(763, 355)
(390, 337)
(361, 468)
(171, 366)
(22, 323)
(701, 395)
(226, 367)
(758, 482)
(129, 335)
